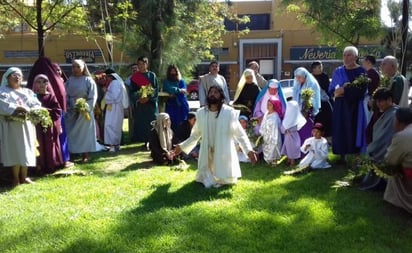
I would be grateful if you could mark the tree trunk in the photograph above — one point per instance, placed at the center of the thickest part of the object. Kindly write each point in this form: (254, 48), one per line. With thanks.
(40, 30)
(156, 43)
(405, 18)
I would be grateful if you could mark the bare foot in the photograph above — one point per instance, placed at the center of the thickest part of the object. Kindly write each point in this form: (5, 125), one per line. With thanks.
(27, 181)
(68, 164)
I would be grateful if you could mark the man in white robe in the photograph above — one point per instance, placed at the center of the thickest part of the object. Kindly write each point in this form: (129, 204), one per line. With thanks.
(113, 121)
(218, 126)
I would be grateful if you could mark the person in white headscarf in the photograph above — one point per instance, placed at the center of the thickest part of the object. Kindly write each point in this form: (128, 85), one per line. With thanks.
(81, 132)
(17, 135)
(291, 124)
(246, 92)
(161, 140)
(272, 89)
(113, 121)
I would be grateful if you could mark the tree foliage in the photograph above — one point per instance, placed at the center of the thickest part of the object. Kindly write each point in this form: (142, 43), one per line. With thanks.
(42, 17)
(177, 32)
(339, 22)
(395, 39)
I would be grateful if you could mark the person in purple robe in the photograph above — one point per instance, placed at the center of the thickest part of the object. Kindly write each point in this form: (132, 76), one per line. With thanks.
(50, 158)
(291, 124)
(349, 119)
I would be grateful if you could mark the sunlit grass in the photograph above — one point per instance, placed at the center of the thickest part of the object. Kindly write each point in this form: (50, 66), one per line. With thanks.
(123, 203)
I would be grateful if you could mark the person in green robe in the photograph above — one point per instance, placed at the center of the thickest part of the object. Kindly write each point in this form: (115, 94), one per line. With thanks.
(144, 91)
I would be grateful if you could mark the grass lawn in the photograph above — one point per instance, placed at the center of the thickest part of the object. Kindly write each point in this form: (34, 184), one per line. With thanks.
(124, 203)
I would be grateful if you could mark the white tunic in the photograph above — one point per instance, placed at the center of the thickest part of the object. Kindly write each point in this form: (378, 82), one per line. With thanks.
(316, 155)
(114, 113)
(17, 139)
(270, 131)
(219, 165)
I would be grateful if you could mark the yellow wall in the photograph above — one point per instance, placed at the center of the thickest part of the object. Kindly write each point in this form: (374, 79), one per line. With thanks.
(55, 47)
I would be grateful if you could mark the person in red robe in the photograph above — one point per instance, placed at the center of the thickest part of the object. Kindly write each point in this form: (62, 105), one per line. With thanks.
(50, 158)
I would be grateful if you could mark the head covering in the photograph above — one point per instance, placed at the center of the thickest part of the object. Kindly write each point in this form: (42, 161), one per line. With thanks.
(242, 82)
(277, 106)
(273, 83)
(264, 95)
(191, 115)
(35, 87)
(319, 126)
(4, 81)
(164, 132)
(82, 65)
(293, 116)
(43, 65)
(310, 83)
(63, 75)
(244, 117)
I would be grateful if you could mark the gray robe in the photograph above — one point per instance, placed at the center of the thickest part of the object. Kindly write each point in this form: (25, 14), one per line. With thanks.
(208, 81)
(81, 133)
(17, 139)
(382, 135)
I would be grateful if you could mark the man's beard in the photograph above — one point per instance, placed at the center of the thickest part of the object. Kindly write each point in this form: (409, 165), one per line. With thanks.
(213, 101)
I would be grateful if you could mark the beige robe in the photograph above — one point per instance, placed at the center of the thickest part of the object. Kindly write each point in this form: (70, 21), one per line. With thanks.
(224, 166)
(399, 189)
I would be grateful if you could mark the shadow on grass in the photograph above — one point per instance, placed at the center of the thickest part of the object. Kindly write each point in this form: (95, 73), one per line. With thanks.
(190, 193)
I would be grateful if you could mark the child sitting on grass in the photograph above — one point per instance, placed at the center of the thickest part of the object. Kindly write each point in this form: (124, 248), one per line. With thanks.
(316, 149)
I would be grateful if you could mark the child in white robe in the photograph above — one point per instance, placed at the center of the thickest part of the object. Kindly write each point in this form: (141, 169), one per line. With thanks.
(243, 158)
(270, 131)
(316, 150)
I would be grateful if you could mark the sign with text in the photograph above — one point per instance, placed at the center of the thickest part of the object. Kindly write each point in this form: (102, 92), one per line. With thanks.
(88, 55)
(312, 53)
(331, 53)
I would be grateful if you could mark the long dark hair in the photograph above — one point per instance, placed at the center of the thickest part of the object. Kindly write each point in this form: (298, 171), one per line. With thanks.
(222, 97)
(169, 76)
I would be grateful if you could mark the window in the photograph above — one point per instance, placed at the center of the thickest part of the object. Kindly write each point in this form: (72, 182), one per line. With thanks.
(257, 22)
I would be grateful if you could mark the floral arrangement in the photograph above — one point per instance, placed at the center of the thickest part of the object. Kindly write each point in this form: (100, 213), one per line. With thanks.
(40, 116)
(307, 96)
(360, 82)
(381, 169)
(36, 116)
(385, 81)
(146, 91)
(83, 107)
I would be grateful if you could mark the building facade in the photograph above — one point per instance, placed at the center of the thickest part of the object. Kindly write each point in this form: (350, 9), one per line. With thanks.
(276, 40)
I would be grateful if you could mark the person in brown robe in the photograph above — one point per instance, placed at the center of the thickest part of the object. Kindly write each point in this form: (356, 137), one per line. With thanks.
(399, 188)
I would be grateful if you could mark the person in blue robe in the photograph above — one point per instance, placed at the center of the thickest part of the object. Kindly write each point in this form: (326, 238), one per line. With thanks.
(349, 119)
